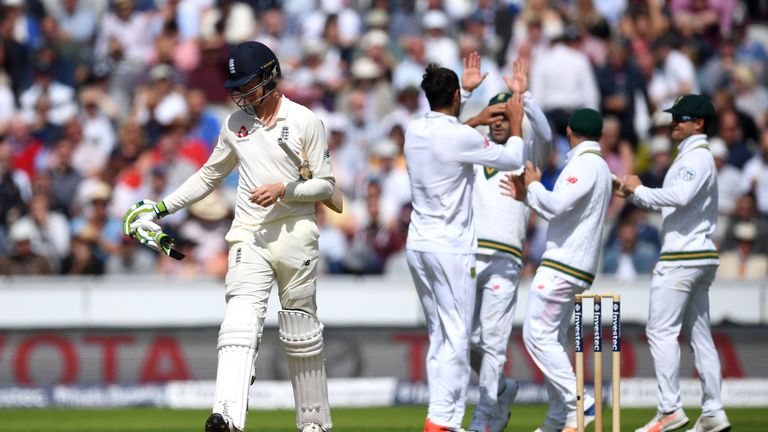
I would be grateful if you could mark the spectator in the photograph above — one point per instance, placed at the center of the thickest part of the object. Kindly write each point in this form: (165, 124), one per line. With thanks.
(95, 216)
(621, 82)
(76, 21)
(22, 259)
(51, 230)
(628, 256)
(15, 187)
(730, 130)
(751, 97)
(659, 151)
(131, 258)
(395, 186)
(208, 223)
(333, 243)
(560, 94)
(745, 211)
(728, 177)
(439, 47)
(61, 98)
(85, 257)
(408, 72)
(755, 179)
(743, 262)
(675, 74)
(64, 178)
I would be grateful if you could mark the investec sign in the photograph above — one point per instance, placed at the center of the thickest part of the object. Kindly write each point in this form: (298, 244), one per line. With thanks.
(137, 357)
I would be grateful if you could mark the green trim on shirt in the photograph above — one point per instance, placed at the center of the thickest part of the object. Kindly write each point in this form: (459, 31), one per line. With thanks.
(489, 172)
(688, 256)
(595, 152)
(499, 246)
(570, 271)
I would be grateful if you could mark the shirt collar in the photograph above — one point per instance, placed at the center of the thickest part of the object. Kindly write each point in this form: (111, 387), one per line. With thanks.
(581, 148)
(282, 111)
(435, 114)
(688, 142)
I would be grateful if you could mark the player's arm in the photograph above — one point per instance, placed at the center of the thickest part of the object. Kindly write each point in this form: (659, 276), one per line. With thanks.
(222, 161)
(541, 146)
(693, 173)
(475, 148)
(579, 180)
(320, 187)
(471, 77)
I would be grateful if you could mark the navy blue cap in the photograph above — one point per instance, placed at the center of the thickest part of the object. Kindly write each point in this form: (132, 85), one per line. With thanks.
(247, 61)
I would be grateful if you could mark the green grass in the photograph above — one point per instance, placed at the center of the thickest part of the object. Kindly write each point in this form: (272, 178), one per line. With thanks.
(396, 419)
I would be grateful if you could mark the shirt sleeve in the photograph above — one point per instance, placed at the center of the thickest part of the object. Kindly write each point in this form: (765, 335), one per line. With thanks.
(222, 161)
(472, 147)
(541, 142)
(693, 174)
(315, 147)
(321, 185)
(574, 183)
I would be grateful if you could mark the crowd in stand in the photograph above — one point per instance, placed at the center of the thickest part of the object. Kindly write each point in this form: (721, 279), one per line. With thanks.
(105, 103)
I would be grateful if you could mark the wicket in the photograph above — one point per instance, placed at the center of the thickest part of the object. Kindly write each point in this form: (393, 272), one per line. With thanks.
(598, 360)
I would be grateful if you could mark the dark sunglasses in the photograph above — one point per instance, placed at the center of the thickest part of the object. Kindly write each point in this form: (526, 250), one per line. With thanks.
(682, 118)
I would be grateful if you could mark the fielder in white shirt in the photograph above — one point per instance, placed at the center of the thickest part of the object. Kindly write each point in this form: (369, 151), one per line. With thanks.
(501, 226)
(440, 153)
(679, 298)
(576, 211)
(273, 239)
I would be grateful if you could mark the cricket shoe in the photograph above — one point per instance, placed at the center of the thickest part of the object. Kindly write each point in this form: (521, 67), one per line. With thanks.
(481, 422)
(589, 415)
(433, 427)
(718, 423)
(503, 404)
(665, 422)
(312, 427)
(546, 428)
(217, 423)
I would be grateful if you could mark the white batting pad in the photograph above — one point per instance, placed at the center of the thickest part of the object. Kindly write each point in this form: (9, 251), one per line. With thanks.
(302, 338)
(238, 346)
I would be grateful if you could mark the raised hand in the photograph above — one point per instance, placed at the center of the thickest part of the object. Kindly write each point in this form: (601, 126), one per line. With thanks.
(471, 77)
(519, 81)
(487, 116)
(515, 112)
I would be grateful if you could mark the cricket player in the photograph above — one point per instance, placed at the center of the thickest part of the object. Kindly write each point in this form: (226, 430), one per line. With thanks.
(679, 299)
(575, 210)
(273, 238)
(501, 227)
(440, 152)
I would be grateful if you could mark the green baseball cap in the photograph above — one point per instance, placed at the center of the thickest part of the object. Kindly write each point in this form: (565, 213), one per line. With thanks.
(586, 122)
(499, 98)
(693, 105)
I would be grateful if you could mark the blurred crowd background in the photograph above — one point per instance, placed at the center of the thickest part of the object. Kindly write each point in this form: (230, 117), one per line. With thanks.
(103, 103)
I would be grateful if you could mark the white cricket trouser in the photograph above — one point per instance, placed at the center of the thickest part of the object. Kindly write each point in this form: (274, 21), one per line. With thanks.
(285, 253)
(679, 302)
(496, 297)
(446, 287)
(545, 333)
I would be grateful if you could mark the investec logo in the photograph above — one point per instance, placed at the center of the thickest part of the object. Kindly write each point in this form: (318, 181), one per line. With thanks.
(597, 327)
(616, 327)
(577, 322)
(232, 66)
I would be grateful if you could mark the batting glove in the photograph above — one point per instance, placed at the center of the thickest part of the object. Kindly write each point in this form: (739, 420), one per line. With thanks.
(143, 214)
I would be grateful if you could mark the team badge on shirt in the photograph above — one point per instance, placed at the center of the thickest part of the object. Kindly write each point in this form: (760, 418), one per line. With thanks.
(243, 132)
(687, 174)
(572, 180)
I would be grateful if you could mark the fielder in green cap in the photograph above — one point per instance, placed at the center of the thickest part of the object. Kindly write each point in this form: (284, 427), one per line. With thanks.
(575, 209)
(679, 297)
(500, 227)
